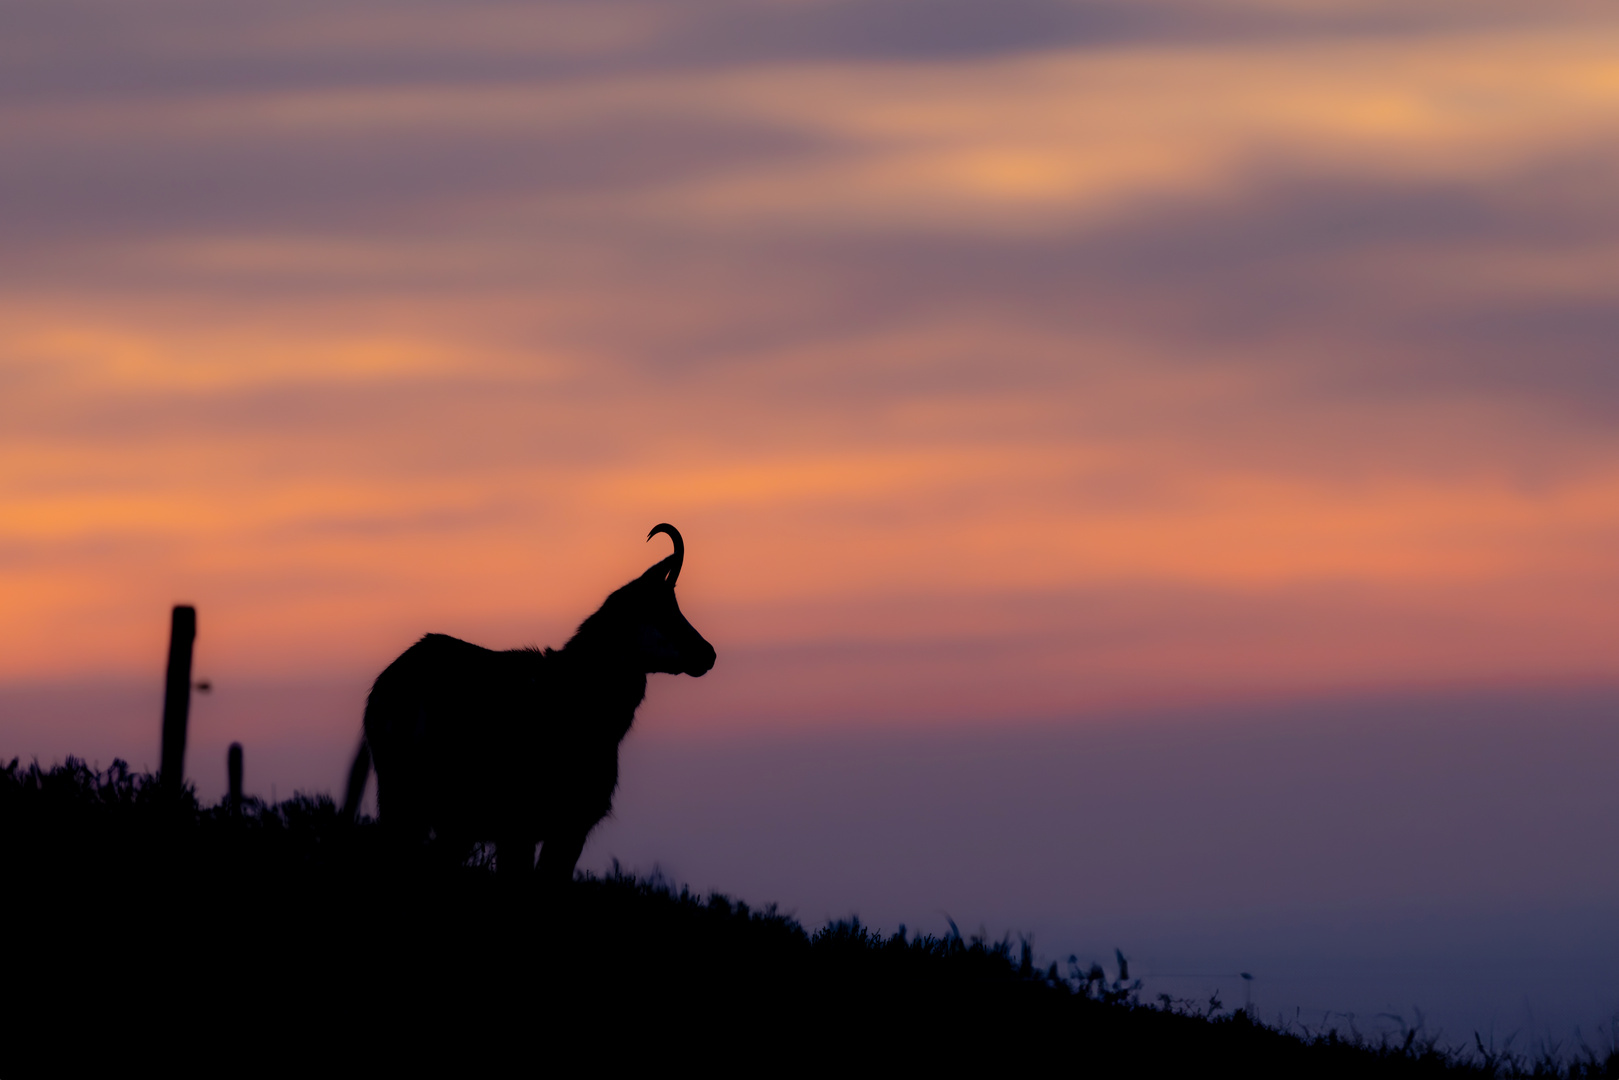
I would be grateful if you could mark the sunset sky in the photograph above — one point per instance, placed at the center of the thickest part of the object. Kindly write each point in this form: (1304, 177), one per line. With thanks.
(1016, 363)
(1007, 358)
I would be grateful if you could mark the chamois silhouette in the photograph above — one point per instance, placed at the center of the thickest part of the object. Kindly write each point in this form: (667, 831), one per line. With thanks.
(521, 747)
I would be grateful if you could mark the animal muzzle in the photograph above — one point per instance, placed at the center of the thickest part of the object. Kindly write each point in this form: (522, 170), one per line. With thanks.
(700, 658)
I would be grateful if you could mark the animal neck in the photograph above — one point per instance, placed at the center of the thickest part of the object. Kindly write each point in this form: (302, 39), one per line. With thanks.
(612, 689)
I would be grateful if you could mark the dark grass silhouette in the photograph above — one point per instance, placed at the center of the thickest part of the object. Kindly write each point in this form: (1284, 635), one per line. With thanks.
(518, 747)
(145, 930)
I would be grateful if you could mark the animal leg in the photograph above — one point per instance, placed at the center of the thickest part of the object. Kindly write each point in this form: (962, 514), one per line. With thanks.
(514, 856)
(559, 855)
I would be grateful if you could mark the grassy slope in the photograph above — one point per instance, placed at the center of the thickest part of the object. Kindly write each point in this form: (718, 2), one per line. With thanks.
(143, 926)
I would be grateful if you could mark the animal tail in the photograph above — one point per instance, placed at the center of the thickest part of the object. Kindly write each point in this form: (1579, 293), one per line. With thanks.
(359, 772)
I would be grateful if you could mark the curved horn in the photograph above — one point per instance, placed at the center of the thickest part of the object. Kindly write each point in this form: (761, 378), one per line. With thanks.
(679, 557)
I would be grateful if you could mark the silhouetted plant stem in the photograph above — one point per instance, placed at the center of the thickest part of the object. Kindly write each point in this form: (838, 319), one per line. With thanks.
(233, 771)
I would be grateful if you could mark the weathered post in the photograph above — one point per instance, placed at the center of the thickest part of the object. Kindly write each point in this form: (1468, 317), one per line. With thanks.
(233, 770)
(177, 696)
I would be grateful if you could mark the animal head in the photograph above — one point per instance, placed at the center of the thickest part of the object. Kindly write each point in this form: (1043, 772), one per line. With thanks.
(642, 622)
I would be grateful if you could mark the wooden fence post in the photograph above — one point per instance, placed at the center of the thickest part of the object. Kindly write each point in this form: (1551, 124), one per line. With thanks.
(177, 696)
(233, 770)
